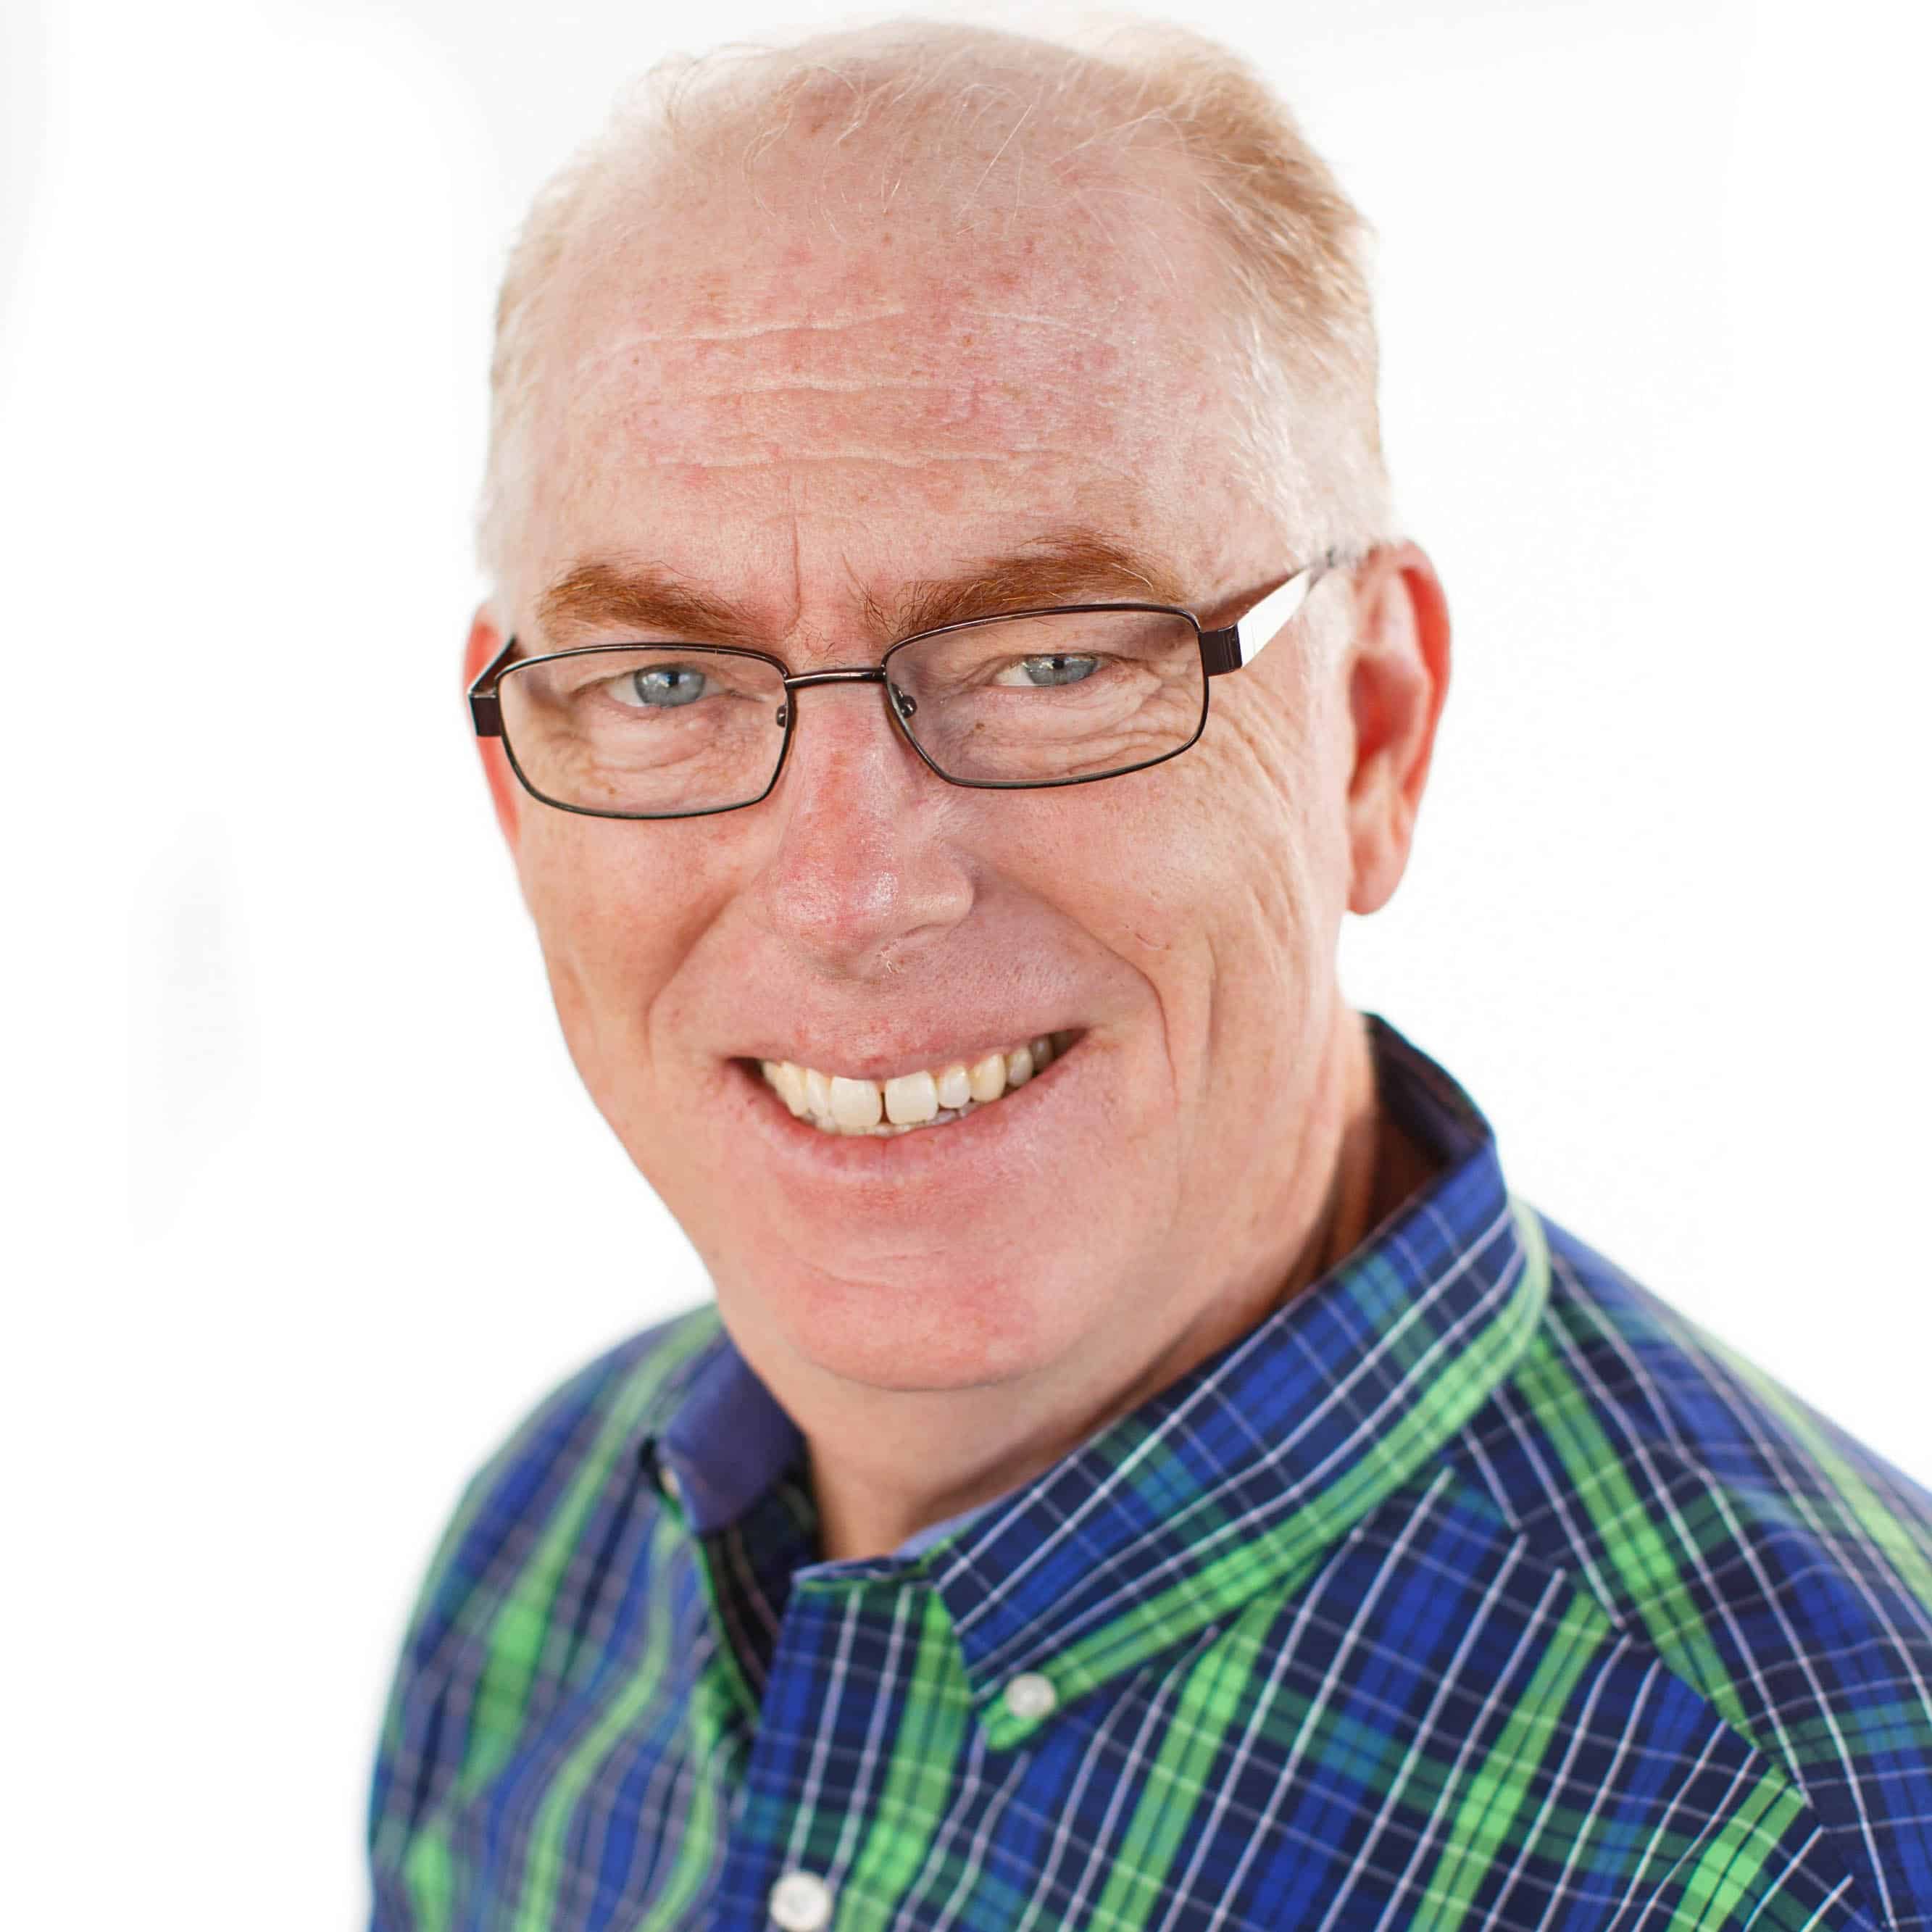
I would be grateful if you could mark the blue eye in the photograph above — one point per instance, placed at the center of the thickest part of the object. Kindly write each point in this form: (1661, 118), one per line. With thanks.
(661, 686)
(1048, 669)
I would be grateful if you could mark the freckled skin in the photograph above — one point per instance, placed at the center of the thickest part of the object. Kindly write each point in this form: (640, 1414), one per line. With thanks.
(830, 416)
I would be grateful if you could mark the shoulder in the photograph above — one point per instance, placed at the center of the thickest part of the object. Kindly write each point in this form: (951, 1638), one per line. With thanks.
(1778, 1565)
(553, 1463)
(520, 1520)
(473, 1655)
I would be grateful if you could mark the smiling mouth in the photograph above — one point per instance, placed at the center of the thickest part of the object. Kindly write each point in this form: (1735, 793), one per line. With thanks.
(837, 1103)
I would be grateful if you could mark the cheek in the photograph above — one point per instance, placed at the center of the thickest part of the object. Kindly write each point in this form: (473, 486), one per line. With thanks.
(1280, 778)
(1219, 880)
(617, 906)
(1231, 856)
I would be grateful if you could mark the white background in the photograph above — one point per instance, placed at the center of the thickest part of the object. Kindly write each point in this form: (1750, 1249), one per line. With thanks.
(1650, 275)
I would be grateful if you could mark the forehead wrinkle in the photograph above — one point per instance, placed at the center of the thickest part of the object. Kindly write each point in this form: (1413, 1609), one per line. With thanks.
(936, 345)
(923, 406)
(862, 385)
(1059, 322)
(789, 459)
(1005, 358)
(747, 331)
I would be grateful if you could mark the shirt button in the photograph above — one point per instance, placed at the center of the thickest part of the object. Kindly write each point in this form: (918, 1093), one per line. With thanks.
(668, 1481)
(1030, 1696)
(801, 1902)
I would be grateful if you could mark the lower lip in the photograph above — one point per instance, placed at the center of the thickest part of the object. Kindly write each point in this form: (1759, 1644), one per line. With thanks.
(986, 1133)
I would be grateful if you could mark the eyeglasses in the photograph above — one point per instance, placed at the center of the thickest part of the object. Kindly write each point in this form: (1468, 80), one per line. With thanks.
(1026, 699)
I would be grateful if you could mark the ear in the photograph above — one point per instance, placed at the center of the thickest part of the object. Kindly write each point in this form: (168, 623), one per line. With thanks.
(486, 640)
(1398, 676)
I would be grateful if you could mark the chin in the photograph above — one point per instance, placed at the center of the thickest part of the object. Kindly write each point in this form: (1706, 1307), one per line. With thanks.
(932, 1327)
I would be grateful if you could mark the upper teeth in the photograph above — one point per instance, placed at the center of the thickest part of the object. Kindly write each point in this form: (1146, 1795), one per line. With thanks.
(841, 1105)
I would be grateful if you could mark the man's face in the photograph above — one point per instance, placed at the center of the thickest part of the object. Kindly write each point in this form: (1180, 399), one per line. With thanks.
(806, 429)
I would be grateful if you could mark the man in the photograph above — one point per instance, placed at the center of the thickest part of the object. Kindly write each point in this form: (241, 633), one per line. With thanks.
(1143, 1468)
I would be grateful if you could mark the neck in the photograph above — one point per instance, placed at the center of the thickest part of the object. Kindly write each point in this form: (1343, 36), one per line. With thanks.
(898, 1465)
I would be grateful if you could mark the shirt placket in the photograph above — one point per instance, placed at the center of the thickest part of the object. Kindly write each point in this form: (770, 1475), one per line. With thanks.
(855, 1653)
(795, 1721)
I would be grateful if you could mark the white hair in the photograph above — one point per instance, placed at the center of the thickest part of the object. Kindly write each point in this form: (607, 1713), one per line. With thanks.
(937, 98)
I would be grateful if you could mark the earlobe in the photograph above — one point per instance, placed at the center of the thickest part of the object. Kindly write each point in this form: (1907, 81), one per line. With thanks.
(485, 641)
(1398, 678)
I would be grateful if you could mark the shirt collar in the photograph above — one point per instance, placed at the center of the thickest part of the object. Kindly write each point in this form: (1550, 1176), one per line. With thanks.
(1230, 1480)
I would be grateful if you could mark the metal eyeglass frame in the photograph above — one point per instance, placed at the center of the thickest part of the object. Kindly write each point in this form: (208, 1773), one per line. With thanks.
(1221, 651)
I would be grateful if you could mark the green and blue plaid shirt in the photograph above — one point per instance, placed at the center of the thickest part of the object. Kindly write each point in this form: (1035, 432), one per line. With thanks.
(1475, 1588)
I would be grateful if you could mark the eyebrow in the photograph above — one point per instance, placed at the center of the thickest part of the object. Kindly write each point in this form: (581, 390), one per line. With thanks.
(1071, 564)
(643, 599)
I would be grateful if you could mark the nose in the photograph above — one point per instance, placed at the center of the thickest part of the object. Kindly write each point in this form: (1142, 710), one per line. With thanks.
(866, 869)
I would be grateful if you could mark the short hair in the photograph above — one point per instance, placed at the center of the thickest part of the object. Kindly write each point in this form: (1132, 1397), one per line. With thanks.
(1290, 243)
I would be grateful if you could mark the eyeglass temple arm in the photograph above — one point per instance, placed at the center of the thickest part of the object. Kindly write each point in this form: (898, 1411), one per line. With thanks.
(486, 709)
(1241, 643)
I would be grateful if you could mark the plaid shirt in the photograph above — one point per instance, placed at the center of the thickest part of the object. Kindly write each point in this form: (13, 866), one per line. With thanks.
(1475, 1588)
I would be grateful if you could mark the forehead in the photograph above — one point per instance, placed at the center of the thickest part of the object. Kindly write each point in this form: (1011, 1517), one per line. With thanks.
(873, 386)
